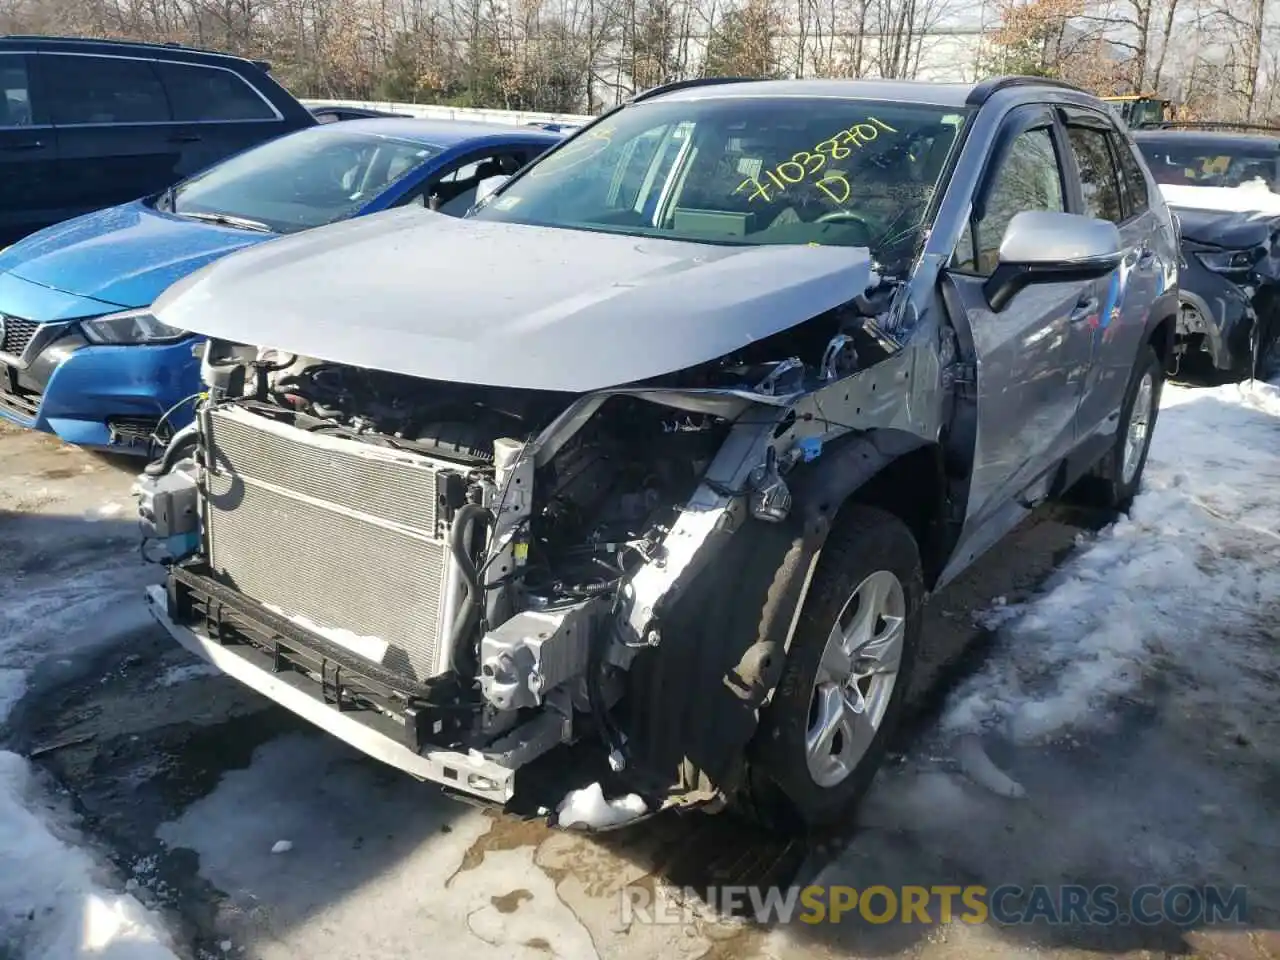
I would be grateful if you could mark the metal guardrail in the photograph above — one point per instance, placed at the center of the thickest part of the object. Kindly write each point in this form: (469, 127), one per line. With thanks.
(437, 112)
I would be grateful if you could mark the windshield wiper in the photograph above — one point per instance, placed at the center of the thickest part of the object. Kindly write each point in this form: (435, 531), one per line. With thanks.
(227, 220)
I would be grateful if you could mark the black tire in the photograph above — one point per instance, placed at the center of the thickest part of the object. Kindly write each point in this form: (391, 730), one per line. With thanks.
(1105, 487)
(779, 792)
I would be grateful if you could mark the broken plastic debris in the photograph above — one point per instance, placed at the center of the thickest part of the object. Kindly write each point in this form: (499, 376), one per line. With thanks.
(589, 809)
(282, 846)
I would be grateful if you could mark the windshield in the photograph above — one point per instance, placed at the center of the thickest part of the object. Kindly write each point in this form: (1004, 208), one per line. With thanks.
(1210, 166)
(300, 181)
(794, 170)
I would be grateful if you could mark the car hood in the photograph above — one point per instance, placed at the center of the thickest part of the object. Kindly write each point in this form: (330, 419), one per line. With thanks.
(504, 304)
(1236, 231)
(123, 255)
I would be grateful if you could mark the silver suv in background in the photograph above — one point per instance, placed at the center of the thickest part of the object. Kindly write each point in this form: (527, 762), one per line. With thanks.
(660, 450)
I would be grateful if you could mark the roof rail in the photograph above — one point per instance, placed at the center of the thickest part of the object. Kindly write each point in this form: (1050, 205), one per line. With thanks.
(685, 85)
(149, 44)
(985, 90)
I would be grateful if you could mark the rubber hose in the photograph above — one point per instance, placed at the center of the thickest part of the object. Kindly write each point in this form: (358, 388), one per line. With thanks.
(187, 436)
(469, 613)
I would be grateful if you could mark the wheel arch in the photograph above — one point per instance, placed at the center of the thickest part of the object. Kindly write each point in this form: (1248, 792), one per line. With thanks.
(896, 471)
(1161, 331)
(696, 697)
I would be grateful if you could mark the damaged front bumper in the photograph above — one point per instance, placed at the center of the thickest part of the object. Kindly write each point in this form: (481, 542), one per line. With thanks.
(360, 704)
(1234, 312)
(1224, 317)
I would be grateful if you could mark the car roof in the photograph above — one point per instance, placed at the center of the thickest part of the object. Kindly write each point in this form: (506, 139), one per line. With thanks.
(910, 91)
(33, 42)
(957, 95)
(1213, 141)
(443, 133)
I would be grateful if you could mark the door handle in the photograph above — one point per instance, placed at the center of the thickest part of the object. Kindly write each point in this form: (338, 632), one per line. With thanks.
(1084, 309)
(185, 138)
(25, 145)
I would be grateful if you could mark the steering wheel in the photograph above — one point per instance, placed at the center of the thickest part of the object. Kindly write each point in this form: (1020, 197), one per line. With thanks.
(835, 216)
(848, 216)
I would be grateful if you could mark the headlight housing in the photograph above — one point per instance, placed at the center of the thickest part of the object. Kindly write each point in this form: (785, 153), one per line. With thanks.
(129, 327)
(1229, 261)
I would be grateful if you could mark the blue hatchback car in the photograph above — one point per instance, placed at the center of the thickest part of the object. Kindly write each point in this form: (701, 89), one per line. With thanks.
(81, 356)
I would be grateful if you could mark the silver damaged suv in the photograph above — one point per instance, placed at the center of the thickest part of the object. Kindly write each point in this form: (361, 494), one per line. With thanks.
(631, 484)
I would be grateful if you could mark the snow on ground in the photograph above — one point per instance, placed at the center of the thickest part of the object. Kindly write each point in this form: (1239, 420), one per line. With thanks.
(185, 672)
(397, 874)
(53, 903)
(59, 602)
(1196, 560)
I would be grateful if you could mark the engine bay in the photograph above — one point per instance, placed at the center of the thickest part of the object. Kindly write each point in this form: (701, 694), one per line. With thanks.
(504, 551)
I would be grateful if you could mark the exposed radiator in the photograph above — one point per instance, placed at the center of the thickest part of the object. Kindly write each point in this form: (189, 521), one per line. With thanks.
(341, 533)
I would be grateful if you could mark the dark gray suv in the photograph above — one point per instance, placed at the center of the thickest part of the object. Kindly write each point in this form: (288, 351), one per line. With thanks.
(659, 451)
(88, 124)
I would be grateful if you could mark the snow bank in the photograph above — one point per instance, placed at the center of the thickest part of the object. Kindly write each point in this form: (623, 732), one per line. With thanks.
(52, 906)
(1196, 558)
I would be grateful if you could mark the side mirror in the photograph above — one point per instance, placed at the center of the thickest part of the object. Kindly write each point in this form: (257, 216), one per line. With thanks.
(1040, 246)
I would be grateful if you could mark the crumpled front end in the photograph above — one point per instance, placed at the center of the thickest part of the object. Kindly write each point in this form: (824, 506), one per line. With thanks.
(458, 578)
(1230, 289)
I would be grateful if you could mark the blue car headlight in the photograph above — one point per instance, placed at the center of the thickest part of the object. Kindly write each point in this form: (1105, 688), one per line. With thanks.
(131, 326)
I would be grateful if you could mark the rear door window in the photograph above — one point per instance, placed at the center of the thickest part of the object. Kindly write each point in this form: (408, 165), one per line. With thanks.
(208, 94)
(15, 92)
(103, 90)
(1099, 181)
(1132, 178)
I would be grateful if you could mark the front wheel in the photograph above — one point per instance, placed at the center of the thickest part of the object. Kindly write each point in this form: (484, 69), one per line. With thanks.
(824, 734)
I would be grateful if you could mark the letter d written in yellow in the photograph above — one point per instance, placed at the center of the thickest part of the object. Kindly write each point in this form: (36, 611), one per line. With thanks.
(835, 186)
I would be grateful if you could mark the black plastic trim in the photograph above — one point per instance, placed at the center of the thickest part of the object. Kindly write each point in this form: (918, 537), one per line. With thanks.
(985, 90)
(394, 705)
(686, 85)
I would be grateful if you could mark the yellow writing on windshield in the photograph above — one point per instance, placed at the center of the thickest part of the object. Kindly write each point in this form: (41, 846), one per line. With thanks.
(808, 163)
